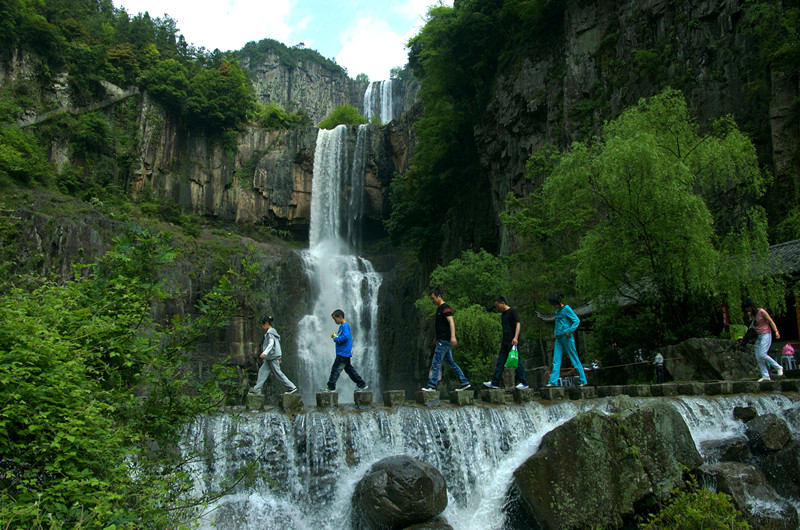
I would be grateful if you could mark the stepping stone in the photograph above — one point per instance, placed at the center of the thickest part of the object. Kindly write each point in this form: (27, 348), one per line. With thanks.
(254, 401)
(362, 399)
(327, 399)
(608, 391)
(427, 398)
(790, 385)
(691, 388)
(665, 390)
(523, 395)
(393, 398)
(745, 387)
(582, 392)
(637, 390)
(770, 386)
(464, 397)
(292, 402)
(716, 388)
(493, 395)
(552, 393)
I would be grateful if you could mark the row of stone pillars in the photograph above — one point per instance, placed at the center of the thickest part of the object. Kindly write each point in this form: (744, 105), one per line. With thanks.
(294, 402)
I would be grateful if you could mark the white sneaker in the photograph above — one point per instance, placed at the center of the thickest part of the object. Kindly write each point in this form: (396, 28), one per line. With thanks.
(780, 371)
(521, 386)
(428, 389)
(763, 379)
(488, 384)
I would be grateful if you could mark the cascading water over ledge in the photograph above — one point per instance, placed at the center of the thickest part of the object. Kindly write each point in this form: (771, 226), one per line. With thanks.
(308, 464)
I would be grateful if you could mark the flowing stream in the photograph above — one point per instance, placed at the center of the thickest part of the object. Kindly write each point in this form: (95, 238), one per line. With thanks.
(339, 278)
(308, 465)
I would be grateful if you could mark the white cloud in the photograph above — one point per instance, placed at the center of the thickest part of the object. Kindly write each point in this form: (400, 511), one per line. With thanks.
(224, 25)
(416, 11)
(371, 47)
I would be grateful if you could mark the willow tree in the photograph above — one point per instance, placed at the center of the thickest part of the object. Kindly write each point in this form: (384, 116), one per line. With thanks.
(665, 211)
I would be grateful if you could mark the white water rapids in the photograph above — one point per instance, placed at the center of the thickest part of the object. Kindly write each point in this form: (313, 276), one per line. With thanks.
(309, 464)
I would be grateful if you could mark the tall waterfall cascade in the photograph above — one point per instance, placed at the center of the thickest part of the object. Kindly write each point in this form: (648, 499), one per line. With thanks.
(308, 465)
(339, 278)
(378, 101)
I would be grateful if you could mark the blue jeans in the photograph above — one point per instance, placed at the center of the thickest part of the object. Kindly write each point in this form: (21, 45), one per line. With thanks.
(336, 369)
(443, 352)
(566, 343)
(502, 357)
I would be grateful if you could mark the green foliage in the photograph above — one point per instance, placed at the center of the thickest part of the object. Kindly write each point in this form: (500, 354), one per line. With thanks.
(22, 160)
(479, 334)
(258, 53)
(346, 114)
(219, 98)
(169, 211)
(696, 508)
(92, 134)
(362, 78)
(81, 442)
(456, 56)
(275, 118)
(470, 284)
(475, 278)
(638, 199)
(168, 83)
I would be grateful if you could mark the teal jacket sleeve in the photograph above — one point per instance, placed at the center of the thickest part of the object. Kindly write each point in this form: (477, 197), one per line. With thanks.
(572, 318)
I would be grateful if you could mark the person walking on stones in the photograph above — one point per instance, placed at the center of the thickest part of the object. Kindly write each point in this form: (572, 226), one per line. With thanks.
(509, 319)
(343, 340)
(763, 325)
(271, 355)
(658, 361)
(566, 324)
(445, 340)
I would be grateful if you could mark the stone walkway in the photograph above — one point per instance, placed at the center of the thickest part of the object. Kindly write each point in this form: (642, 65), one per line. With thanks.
(293, 403)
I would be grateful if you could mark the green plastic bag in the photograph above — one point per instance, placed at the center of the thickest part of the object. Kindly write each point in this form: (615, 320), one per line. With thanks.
(513, 358)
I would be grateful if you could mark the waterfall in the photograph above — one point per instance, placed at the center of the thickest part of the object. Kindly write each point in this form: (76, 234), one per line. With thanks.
(307, 465)
(378, 101)
(339, 279)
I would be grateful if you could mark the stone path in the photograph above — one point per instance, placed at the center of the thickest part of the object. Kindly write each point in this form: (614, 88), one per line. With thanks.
(293, 403)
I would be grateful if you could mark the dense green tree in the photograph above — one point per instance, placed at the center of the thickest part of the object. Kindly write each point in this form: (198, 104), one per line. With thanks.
(82, 446)
(219, 98)
(344, 115)
(469, 284)
(664, 213)
(168, 83)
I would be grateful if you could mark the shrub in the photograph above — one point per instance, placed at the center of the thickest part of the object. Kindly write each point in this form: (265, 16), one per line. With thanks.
(22, 159)
(344, 115)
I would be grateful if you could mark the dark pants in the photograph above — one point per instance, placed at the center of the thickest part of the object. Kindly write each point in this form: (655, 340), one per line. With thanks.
(502, 357)
(338, 364)
(659, 373)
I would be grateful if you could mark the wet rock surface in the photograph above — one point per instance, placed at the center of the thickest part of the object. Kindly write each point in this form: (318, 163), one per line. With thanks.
(400, 491)
(767, 434)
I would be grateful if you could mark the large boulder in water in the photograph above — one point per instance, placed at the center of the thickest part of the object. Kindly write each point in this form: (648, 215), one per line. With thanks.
(703, 359)
(767, 434)
(783, 471)
(594, 469)
(399, 491)
(751, 493)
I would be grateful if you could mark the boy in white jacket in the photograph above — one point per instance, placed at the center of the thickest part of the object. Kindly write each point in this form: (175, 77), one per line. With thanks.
(271, 355)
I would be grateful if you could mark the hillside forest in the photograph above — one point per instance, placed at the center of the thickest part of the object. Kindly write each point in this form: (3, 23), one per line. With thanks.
(653, 197)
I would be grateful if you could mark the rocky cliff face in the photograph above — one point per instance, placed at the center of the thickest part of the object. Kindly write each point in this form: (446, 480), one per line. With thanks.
(267, 178)
(612, 53)
(308, 85)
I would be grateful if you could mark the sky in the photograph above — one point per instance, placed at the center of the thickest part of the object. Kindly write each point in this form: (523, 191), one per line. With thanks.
(363, 36)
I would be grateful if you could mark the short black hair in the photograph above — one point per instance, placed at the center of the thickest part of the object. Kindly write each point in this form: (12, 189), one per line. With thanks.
(748, 302)
(338, 314)
(435, 291)
(554, 299)
(267, 320)
(500, 299)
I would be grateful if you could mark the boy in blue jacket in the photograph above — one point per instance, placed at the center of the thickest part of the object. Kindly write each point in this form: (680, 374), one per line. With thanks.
(344, 351)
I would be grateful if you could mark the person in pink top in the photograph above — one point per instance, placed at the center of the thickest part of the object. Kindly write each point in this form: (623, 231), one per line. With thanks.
(763, 324)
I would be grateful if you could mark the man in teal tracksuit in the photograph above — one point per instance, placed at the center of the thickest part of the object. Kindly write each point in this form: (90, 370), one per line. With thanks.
(566, 324)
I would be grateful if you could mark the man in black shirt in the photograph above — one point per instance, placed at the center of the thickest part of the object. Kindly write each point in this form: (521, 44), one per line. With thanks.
(445, 339)
(509, 318)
